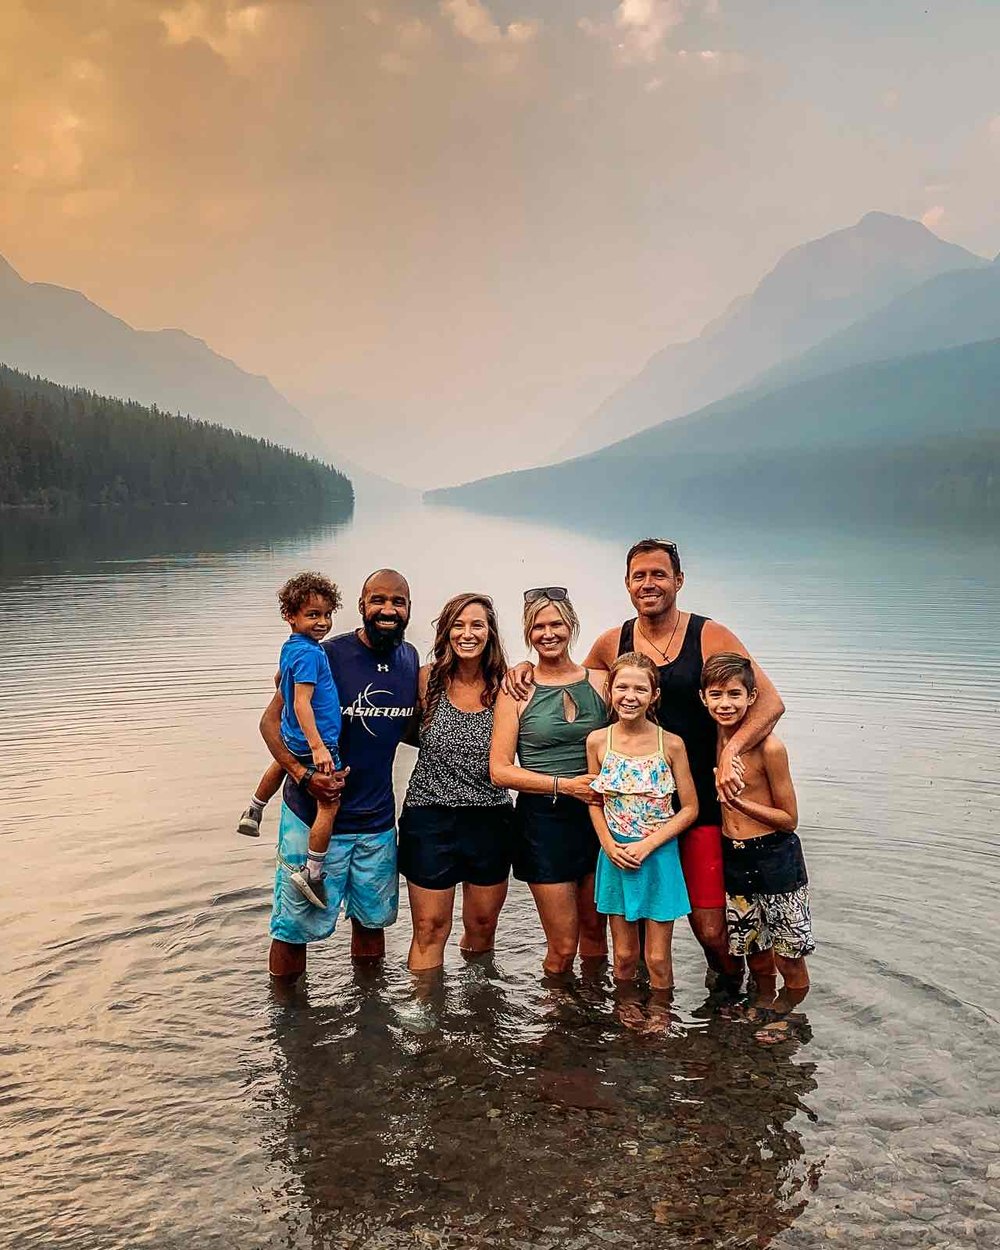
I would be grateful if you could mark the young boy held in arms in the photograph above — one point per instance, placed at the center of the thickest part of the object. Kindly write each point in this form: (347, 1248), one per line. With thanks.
(310, 719)
(767, 892)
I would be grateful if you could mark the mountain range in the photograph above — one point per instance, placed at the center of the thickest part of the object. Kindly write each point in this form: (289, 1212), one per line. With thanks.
(61, 335)
(911, 437)
(883, 290)
(897, 413)
(815, 291)
(946, 311)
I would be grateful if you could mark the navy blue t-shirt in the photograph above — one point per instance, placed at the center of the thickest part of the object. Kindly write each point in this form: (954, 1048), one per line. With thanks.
(378, 695)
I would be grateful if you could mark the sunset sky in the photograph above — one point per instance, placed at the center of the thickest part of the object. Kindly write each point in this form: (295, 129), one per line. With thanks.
(468, 212)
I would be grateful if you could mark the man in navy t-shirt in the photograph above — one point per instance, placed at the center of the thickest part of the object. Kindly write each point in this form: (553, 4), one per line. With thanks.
(375, 671)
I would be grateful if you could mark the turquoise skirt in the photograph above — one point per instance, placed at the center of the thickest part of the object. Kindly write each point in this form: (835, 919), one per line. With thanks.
(653, 891)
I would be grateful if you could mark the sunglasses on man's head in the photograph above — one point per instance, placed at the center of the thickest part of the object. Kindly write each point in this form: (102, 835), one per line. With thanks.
(555, 593)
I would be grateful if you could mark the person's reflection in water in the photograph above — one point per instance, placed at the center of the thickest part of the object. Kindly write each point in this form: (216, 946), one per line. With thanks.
(500, 1126)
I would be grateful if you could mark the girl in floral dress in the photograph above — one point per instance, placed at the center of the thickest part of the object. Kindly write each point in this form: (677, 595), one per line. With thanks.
(639, 769)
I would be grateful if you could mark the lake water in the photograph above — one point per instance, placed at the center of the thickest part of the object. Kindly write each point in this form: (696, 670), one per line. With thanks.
(155, 1092)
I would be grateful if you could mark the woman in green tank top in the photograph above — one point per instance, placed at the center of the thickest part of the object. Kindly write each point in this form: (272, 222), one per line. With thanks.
(555, 847)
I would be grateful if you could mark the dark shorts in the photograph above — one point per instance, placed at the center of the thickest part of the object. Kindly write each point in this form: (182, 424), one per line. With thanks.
(553, 842)
(767, 896)
(441, 846)
(772, 864)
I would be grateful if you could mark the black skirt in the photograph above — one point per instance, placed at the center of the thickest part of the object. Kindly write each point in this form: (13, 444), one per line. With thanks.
(441, 846)
(553, 842)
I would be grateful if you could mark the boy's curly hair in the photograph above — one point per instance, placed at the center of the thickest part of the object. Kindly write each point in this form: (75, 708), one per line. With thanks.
(294, 595)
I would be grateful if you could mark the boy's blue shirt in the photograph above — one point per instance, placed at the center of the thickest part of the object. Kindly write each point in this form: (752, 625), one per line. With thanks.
(303, 660)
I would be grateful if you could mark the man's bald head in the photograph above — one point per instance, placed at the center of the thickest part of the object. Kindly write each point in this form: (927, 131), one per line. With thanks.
(389, 577)
(385, 608)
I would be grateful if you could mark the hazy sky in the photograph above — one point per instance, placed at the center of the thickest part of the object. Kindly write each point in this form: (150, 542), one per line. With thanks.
(477, 216)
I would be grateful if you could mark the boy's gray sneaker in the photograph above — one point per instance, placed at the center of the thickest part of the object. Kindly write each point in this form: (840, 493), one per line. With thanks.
(312, 889)
(249, 824)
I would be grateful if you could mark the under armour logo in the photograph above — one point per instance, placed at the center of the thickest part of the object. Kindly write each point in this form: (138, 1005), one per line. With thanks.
(382, 668)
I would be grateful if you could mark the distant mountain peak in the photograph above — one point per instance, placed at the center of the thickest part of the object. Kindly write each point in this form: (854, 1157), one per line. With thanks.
(815, 289)
(8, 274)
(877, 220)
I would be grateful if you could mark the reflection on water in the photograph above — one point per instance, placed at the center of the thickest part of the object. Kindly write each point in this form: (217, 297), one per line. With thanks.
(451, 1127)
(154, 1093)
(84, 538)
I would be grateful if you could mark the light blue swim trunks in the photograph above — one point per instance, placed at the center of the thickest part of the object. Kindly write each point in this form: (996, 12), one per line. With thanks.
(361, 877)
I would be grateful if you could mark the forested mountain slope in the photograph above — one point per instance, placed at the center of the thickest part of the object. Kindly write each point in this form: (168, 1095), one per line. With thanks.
(914, 436)
(60, 446)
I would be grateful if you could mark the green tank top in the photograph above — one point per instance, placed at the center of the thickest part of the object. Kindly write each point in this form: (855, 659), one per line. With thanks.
(549, 743)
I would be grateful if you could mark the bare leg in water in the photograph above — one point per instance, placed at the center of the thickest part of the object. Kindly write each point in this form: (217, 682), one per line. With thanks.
(287, 960)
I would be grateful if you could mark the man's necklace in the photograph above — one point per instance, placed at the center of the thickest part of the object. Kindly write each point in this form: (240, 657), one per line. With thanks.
(662, 652)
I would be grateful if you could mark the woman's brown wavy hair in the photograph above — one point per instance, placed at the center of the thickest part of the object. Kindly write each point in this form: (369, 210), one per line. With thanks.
(493, 661)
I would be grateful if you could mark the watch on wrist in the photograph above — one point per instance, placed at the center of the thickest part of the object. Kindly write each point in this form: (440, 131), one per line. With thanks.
(307, 776)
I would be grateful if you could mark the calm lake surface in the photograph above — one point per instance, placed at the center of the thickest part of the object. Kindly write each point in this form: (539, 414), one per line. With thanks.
(153, 1090)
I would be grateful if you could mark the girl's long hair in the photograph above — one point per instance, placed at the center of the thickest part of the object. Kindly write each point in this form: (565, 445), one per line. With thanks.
(493, 661)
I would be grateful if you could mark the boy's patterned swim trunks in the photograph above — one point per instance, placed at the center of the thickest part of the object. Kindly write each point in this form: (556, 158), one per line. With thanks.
(767, 896)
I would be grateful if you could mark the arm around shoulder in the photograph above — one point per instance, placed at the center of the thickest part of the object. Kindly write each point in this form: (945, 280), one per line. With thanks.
(602, 654)
(767, 710)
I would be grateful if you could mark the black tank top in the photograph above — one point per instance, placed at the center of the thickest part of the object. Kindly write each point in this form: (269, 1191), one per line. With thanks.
(682, 712)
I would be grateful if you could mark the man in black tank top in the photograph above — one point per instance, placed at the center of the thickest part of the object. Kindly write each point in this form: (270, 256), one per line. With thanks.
(679, 643)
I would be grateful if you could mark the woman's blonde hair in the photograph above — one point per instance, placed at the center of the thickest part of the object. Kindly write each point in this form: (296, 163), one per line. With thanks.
(566, 612)
(635, 659)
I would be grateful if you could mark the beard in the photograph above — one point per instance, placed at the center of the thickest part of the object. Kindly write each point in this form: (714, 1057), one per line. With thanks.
(383, 640)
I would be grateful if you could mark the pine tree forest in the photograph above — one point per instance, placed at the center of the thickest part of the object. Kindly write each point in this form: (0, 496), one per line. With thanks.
(62, 448)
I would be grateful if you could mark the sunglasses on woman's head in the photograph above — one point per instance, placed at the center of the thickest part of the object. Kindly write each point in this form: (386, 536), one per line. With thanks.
(555, 593)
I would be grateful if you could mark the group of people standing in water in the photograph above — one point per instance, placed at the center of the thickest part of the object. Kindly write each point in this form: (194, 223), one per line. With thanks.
(648, 784)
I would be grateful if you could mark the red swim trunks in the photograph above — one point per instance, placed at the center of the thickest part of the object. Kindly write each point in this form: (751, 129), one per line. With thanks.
(701, 860)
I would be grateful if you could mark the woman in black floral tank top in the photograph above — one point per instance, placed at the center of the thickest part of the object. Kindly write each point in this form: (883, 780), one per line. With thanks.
(456, 825)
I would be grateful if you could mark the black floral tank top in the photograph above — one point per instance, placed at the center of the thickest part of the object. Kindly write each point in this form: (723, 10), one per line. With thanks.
(453, 767)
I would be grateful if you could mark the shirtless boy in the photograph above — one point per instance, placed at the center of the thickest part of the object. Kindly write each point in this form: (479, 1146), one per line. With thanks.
(767, 892)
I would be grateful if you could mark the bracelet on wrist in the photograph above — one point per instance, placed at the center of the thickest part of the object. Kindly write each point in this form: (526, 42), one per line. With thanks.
(555, 788)
(310, 771)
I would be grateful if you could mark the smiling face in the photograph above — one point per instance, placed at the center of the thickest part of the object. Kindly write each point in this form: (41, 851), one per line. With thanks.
(550, 634)
(653, 583)
(470, 632)
(728, 701)
(632, 693)
(385, 609)
(314, 618)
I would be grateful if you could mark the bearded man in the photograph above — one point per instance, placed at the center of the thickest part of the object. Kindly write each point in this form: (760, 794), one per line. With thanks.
(375, 671)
